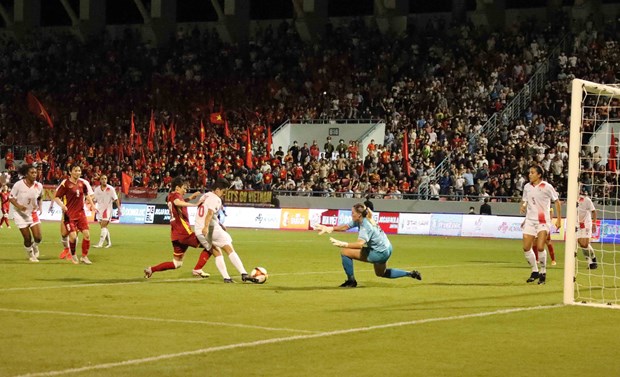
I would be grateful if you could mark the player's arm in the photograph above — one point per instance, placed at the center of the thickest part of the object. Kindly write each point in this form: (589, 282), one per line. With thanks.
(40, 204)
(91, 203)
(523, 207)
(349, 245)
(182, 203)
(118, 206)
(558, 214)
(594, 220)
(207, 230)
(16, 204)
(328, 229)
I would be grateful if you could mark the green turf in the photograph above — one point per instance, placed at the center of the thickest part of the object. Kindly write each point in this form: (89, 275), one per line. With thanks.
(466, 318)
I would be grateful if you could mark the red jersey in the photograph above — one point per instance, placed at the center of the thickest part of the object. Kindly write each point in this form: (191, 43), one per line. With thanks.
(179, 219)
(5, 201)
(72, 195)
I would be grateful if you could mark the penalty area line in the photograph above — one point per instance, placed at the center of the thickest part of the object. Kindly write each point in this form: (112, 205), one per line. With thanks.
(281, 340)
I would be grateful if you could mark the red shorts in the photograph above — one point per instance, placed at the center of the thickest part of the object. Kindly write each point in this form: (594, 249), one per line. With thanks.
(180, 245)
(76, 224)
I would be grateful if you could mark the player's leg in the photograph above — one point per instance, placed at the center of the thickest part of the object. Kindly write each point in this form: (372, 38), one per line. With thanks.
(529, 234)
(204, 256)
(179, 250)
(542, 255)
(5, 219)
(235, 259)
(220, 263)
(82, 226)
(104, 231)
(64, 239)
(347, 255)
(379, 259)
(551, 249)
(25, 231)
(35, 229)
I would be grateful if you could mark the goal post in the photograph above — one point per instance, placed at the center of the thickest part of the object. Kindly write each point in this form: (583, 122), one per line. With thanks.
(594, 122)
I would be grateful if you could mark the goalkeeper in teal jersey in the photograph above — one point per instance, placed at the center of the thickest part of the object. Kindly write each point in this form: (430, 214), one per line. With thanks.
(372, 246)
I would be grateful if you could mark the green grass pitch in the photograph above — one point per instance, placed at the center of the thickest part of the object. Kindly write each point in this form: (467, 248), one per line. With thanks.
(471, 315)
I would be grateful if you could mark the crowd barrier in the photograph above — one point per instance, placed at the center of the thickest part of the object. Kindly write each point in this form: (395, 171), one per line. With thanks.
(433, 224)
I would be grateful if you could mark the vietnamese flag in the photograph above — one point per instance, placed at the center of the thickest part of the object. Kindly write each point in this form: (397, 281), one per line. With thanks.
(133, 130)
(226, 129)
(139, 140)
(151, 137)
(613, 153)
(216, 118)
(248, 152)
(269, 141)
(406, 165)
(36, 107)
(125, 183)
(172, 132)
(202, 131)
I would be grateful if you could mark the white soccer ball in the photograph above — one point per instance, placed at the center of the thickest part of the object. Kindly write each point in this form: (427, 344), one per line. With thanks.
(260, 274)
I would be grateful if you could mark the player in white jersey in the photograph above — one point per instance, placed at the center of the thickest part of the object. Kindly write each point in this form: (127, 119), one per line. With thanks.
(105, 195)
(26, 196)
(212, 234)
(536, 205)
(586, 217)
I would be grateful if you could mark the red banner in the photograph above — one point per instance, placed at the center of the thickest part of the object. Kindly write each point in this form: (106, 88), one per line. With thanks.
(142, 192)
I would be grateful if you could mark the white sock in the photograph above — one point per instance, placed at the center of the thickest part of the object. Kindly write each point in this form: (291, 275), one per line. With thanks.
(530, 257)
(102, 236)
(35, 249)
(586, 253)
(542, 258)
(107, 235)
(236, 261)
(221, 266)
(65, 241)
(591, 250)
(28, 251)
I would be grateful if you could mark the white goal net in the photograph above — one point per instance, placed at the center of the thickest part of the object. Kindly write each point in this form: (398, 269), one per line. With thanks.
(592, 274)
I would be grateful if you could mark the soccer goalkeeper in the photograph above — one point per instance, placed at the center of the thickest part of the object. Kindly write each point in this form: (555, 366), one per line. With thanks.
(372, 246)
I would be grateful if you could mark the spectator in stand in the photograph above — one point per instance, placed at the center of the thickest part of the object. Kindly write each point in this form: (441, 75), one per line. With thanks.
(328, 149)
(485, 207)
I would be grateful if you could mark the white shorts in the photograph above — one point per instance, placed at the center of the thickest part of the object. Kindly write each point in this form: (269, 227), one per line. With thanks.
(23, 220)
(105, 215)
(532, 228)
(220, 238)
(585, 232)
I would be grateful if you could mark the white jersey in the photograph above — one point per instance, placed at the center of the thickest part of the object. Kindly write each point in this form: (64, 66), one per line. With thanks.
(104, 197)
(27, 196)
(208, 201)
(538, 199)
(584, 211)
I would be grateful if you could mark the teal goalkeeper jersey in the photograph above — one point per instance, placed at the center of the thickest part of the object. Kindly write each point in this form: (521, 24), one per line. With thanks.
(375, 238)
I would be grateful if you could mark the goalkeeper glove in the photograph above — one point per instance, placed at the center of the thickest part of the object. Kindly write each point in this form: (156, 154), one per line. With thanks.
(337, 243)
(323, 229)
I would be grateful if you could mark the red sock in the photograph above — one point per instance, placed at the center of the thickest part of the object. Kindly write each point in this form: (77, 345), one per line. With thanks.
(535, 249)
(551, 251)
(202, 260)
(4, 220)
(72, 247)
(85, 247)
(163, 267)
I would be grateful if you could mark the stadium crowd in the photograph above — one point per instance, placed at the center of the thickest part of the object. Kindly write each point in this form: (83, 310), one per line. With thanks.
(439, 84)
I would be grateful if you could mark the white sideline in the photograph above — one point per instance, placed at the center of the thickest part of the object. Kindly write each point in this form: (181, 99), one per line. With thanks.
(156, 281)
(152, 319)
(278, 340)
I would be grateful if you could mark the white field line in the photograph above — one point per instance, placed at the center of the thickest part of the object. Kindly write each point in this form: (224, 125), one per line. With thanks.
(133, 318)
(155, 281)
(278, 340)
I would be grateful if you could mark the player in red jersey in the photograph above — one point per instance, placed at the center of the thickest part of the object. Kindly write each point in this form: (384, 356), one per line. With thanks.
(70, 196)
(4, 196)
(181, 233)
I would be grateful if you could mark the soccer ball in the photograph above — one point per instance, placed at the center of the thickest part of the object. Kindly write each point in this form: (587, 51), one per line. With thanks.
(260, 274)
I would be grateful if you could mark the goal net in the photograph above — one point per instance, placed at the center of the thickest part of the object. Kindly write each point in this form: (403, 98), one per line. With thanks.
(593, 168)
